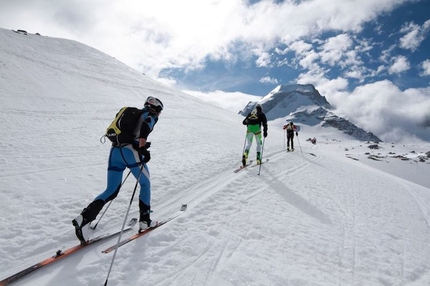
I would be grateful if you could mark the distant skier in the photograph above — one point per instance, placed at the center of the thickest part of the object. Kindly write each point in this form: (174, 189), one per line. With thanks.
(133, 154)
(253, 121)
(290, 129)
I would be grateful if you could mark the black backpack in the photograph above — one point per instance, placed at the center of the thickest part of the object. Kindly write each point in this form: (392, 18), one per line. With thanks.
(121, 130)
(253, 118)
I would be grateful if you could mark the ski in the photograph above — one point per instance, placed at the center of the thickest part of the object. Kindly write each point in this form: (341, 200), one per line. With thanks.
(63, 253)
(243, 167)
(137, 235)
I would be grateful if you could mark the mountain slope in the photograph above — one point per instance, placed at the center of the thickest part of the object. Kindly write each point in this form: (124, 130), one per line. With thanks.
(312, 217)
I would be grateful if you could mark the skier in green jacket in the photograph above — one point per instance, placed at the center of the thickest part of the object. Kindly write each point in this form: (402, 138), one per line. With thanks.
(253, 121)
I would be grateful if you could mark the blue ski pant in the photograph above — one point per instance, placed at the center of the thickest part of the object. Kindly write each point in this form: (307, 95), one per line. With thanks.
(119, 160)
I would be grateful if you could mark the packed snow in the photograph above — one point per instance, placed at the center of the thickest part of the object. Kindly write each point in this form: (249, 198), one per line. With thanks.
(332, 213)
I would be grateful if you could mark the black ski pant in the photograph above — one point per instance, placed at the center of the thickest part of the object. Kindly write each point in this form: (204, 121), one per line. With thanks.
(290, 138)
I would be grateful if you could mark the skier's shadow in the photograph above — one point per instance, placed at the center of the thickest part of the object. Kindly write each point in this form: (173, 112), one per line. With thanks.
(294, 199)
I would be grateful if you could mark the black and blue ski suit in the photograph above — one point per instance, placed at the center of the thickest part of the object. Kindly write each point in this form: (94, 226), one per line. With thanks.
(126, 156)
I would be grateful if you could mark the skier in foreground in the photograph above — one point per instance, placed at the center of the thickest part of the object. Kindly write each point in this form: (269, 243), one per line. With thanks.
(127, 155)
(253, 121)
(291, 129)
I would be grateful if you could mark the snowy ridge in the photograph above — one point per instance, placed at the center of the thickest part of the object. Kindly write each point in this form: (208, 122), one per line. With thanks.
(333, 213)
(319, 115)
(297, 91)
(285, 99)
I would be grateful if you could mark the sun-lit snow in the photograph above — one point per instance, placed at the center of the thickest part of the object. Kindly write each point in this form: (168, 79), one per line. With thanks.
(333, 213)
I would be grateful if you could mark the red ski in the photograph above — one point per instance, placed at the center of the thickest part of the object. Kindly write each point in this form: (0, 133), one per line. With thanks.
(61, 254)
(243, 167)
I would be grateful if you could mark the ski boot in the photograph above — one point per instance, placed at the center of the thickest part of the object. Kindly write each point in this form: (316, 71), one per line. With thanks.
(144, 220)
(144, 225)
(258, 158)
(245, 157)
(79, 223)
(86, 216)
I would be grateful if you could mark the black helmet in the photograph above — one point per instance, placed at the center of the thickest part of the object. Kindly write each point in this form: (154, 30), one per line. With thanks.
(259, 107)
(154, 104)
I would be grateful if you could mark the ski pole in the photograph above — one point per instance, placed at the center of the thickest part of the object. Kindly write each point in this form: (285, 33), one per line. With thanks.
(299, 145)
(123, 224)
(262, 150)
(94, 227)
(285, 135)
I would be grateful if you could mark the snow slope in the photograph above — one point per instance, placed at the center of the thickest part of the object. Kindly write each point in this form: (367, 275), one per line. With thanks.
(325, 214)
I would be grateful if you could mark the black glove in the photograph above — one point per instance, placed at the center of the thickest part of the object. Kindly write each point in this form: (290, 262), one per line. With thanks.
(297, 134)
(147, 145)
(145, 153)
(265, 134)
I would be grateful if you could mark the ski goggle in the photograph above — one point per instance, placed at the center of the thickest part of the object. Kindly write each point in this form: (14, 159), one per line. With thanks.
(155, 104)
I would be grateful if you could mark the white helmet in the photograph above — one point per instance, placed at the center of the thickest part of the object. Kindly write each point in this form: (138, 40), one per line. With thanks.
(154, 103)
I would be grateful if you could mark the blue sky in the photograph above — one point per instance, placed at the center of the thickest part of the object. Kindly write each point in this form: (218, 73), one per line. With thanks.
(365, 56)
(394, 46)
(246, 46)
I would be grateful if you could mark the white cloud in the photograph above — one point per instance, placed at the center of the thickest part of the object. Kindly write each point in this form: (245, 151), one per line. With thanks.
(305, 56)
(411, 40)
(386, 54)
(339, 51)
(381, 107)
(153, 35)
(426, 68)
(300, 47)
(351, 58)
(308, 61)
(357, 74)
(263, 60)
(379, 70)
(400, 64)
(324, 85)
(334, 48)
(233, 101)
(415, 34)
(268, 79)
